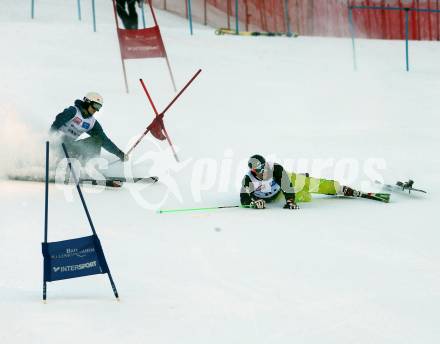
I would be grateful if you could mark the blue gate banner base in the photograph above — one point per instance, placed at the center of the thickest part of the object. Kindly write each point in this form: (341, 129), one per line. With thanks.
(73, 258)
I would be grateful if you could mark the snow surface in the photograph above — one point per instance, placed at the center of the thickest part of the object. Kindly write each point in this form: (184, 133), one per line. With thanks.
(336, 271)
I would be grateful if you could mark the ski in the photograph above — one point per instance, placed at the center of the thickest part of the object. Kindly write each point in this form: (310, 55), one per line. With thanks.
(105, 182)
(108, 181)
(401, 187)
(152, 179)
(381, 197)
(225, 31)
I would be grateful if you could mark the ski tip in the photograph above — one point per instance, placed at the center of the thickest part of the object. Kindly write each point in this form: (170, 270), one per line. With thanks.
(384, 197)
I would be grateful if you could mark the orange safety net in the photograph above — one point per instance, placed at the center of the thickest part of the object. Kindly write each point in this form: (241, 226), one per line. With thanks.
(315, 17)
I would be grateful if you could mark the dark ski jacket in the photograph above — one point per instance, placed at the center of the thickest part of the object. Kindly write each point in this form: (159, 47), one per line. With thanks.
(280, 177)
(96, 131)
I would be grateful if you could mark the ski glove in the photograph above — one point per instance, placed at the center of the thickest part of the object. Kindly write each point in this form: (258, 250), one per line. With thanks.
(290, 204)
(257, 204)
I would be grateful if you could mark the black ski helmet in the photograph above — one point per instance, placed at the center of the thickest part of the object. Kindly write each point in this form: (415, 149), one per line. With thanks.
(256, 163)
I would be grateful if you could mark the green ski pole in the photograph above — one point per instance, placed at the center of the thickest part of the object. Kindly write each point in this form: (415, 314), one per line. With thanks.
(200, 209)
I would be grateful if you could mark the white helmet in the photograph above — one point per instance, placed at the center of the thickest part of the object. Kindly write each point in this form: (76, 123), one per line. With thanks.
(95, 99)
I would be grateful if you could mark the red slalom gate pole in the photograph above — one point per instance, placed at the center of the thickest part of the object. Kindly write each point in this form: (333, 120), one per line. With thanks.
(168, 106)
(157, 114)
(170, 143)
(182, 90)
(160, 114)
(122, 59)
(175, 98)
(149, 97)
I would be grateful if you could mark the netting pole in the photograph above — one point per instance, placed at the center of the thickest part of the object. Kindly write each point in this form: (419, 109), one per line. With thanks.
(94, 15)
(205, 13)
(350, 19)
(32, 9)
(246, 10)
(262, 15)
(236, 17)
(190, 17)
(79, 9)
(406, 37)
(438, 22)
(228, 10)
(143, 13)
(286, 17)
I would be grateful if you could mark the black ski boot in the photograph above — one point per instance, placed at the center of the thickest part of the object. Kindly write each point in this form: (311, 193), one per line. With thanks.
(349, 192)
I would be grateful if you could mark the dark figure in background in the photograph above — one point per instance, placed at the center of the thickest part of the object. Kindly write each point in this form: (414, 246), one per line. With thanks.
(127, 12)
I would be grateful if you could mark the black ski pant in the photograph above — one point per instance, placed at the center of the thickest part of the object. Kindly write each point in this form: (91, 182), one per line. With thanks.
(127, 12)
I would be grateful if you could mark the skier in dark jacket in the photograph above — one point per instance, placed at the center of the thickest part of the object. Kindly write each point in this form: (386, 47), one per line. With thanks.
(264, 182)
(79, 119)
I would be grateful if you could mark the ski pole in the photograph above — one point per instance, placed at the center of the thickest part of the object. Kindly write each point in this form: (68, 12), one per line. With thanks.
(134, 145)
(139, 140)
(147, 130)
(200, 209)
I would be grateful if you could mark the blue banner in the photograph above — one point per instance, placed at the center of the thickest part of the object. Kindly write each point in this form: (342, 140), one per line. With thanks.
(73, 258)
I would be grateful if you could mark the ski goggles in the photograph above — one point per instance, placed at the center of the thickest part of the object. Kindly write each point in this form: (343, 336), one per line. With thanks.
(96, 106)
(258, 169)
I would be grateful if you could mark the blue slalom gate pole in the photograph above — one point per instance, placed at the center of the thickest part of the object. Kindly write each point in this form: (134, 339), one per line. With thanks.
(236, 17)
(89, 218)
(287, 18)
(79, 9)
(143, 13)
(190, 17)
(94, 15)
(46, 210)
(350, 19)
(46, 198)
(407, 37)
(75, 179)
(32, 9)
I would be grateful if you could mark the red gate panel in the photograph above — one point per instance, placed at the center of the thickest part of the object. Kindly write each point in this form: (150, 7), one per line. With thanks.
(143, 43)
